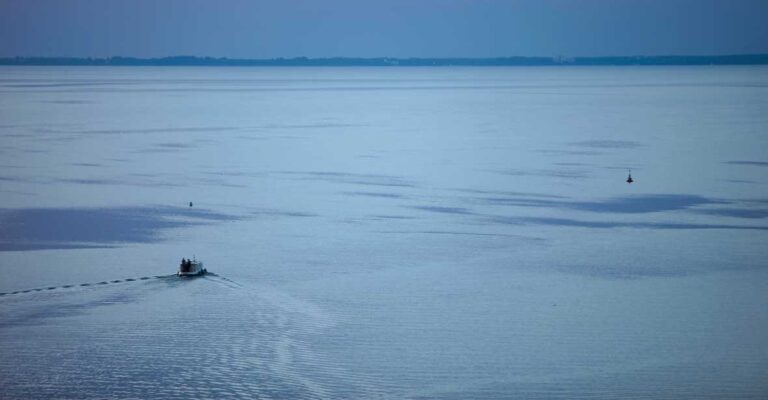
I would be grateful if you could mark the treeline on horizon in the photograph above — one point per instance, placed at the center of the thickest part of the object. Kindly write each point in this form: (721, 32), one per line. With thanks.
(741, 59)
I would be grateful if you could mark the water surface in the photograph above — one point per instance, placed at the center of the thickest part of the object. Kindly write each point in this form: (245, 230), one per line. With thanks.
(443, 233)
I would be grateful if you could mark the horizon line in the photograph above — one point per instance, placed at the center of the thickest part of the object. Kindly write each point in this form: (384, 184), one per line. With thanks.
(188, 60)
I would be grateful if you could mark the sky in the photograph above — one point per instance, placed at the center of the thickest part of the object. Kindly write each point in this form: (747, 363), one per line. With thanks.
(391, 28)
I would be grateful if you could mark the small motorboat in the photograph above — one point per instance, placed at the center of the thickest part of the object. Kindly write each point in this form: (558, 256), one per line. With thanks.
(191, 268)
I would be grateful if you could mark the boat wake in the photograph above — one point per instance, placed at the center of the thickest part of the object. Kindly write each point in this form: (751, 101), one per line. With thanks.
(209, 276)
(255, 340)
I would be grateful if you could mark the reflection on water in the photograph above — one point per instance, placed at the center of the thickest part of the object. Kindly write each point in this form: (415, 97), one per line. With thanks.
(431, 233)
(72, 228)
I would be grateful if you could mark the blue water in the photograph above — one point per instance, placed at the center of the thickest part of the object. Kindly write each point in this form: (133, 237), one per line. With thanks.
(426, 233)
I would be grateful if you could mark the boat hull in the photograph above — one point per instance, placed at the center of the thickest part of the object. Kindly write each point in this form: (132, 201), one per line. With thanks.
(191, 268)
(197, 273)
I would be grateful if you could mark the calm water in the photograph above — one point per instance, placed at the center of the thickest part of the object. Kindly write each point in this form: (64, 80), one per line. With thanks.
(447, 233)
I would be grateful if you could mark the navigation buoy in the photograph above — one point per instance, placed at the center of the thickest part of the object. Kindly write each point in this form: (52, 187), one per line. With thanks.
(629, 180)
(190, 204)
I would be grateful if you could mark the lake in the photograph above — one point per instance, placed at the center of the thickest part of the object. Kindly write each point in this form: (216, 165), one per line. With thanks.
(422, 233)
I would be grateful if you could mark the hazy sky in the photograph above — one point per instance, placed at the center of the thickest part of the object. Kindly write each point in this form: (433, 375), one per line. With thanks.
(368, 28)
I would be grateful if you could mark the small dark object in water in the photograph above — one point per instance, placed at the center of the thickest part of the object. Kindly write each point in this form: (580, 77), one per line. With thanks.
(191, 268)
(629, 178)
(190, 204)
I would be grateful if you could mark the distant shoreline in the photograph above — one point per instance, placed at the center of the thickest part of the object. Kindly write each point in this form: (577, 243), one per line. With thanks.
(739, 59)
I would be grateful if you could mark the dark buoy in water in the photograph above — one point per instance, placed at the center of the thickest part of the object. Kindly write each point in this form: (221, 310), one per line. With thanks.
(629, 180)
(190, 204)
